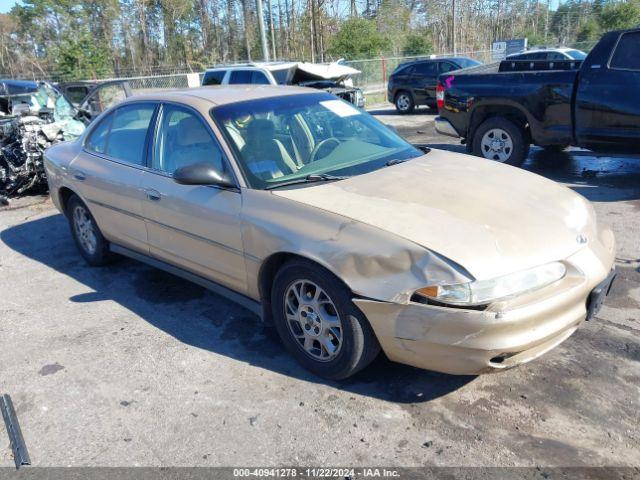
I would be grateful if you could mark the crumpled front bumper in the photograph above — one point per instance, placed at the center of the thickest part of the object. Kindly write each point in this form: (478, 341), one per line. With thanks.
(506, 334)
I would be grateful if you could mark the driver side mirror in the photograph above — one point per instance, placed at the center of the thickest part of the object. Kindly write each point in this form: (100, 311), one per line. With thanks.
(202, 174)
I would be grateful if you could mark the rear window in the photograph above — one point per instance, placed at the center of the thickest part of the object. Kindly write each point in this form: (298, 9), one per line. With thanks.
(240, 76)
(626, 54)
(213, 78)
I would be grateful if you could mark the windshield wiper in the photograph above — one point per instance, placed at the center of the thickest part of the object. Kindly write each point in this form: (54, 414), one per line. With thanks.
(314, 177)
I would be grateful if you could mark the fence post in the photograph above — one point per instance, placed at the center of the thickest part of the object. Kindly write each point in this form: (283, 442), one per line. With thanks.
(384, 72)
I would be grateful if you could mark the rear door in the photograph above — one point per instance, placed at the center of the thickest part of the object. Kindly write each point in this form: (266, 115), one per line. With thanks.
(424, 81)
(107, 173)
(195, 227)
(607, 112)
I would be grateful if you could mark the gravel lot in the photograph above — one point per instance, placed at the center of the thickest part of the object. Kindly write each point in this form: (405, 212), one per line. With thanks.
(127, 365)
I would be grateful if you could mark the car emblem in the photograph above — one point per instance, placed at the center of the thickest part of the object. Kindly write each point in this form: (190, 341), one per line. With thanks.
(582, 239)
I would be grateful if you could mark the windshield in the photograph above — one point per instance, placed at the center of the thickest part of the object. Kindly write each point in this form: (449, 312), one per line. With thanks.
(280, 139)
(576, 54)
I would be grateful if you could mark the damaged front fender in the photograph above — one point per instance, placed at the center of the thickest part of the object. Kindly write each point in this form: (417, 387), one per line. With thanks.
(373, 263)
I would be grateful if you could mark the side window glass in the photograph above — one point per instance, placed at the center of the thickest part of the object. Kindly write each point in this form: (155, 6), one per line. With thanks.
(240, 77)
(626, 55)
(447, 67)
(213, 78)
(128, 133)
(97, 141)
(183, 139)
(259, 78)
(430, 68)
(76, 94)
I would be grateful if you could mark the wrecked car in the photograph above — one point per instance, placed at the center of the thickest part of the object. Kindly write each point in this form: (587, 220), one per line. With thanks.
(36, 115)
(335, 78)
(322, 221)
(95, 96)
(33, 116)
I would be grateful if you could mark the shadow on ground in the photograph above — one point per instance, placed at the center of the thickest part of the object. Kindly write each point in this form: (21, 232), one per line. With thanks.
(204, 320)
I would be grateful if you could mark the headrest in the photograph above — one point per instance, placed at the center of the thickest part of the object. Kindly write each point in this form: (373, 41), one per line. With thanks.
(260, 130)
(191, 131)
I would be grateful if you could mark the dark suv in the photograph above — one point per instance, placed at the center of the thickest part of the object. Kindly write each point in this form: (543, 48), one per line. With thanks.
(414, 83)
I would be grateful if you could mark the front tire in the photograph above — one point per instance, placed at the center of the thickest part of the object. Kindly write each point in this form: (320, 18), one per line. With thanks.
(500, 139)
(319, 324)
(404, 102)
(93, 247)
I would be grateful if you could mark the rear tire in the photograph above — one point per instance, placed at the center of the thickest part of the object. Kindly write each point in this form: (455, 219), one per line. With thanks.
(404, 102)
(92, 245)
(500, 139)
(319, 324)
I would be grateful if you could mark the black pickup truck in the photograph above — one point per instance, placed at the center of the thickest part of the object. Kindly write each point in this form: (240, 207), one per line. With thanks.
(499, 110)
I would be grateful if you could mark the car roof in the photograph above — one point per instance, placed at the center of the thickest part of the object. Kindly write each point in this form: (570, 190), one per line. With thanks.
(221, 94)
(429, 60)
(543, 50)
(271, 66)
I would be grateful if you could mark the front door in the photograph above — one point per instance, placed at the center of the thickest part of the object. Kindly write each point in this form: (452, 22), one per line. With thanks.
(607, 113)
(194, 227)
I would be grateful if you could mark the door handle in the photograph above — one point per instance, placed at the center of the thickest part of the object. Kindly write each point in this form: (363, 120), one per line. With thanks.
(153, 195)
(80, 176)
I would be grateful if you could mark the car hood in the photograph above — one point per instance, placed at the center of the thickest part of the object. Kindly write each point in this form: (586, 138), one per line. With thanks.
(489, 218)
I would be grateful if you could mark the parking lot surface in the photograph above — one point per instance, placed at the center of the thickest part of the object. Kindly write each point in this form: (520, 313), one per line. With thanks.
(126, 365)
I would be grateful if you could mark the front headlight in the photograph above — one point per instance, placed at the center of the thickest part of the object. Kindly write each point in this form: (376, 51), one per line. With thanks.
(482, 292)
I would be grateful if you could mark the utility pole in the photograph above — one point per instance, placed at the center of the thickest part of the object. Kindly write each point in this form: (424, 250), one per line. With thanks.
(313, 31)
(263, 33)
(453, 25)
(273, 35)
(546, 25)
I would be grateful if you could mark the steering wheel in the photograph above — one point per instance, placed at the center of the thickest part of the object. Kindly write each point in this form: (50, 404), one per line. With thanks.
(319, 145)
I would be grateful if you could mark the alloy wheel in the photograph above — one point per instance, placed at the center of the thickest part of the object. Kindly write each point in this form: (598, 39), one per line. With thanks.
(313, 320)
(84, 229)
(403, 102)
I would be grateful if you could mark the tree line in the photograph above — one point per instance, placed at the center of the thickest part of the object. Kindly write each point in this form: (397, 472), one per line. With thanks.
(67, 39)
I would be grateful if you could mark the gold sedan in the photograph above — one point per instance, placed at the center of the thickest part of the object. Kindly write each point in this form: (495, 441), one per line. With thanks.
(327, 224)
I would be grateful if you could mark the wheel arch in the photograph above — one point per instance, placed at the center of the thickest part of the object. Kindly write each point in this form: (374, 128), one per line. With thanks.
(511, 112)
(64, 194)
(269, 269)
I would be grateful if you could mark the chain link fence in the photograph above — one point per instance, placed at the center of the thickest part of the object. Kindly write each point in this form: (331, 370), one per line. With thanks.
(372, 79)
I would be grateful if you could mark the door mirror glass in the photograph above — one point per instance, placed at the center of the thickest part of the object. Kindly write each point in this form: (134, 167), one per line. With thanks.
(202, 173)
